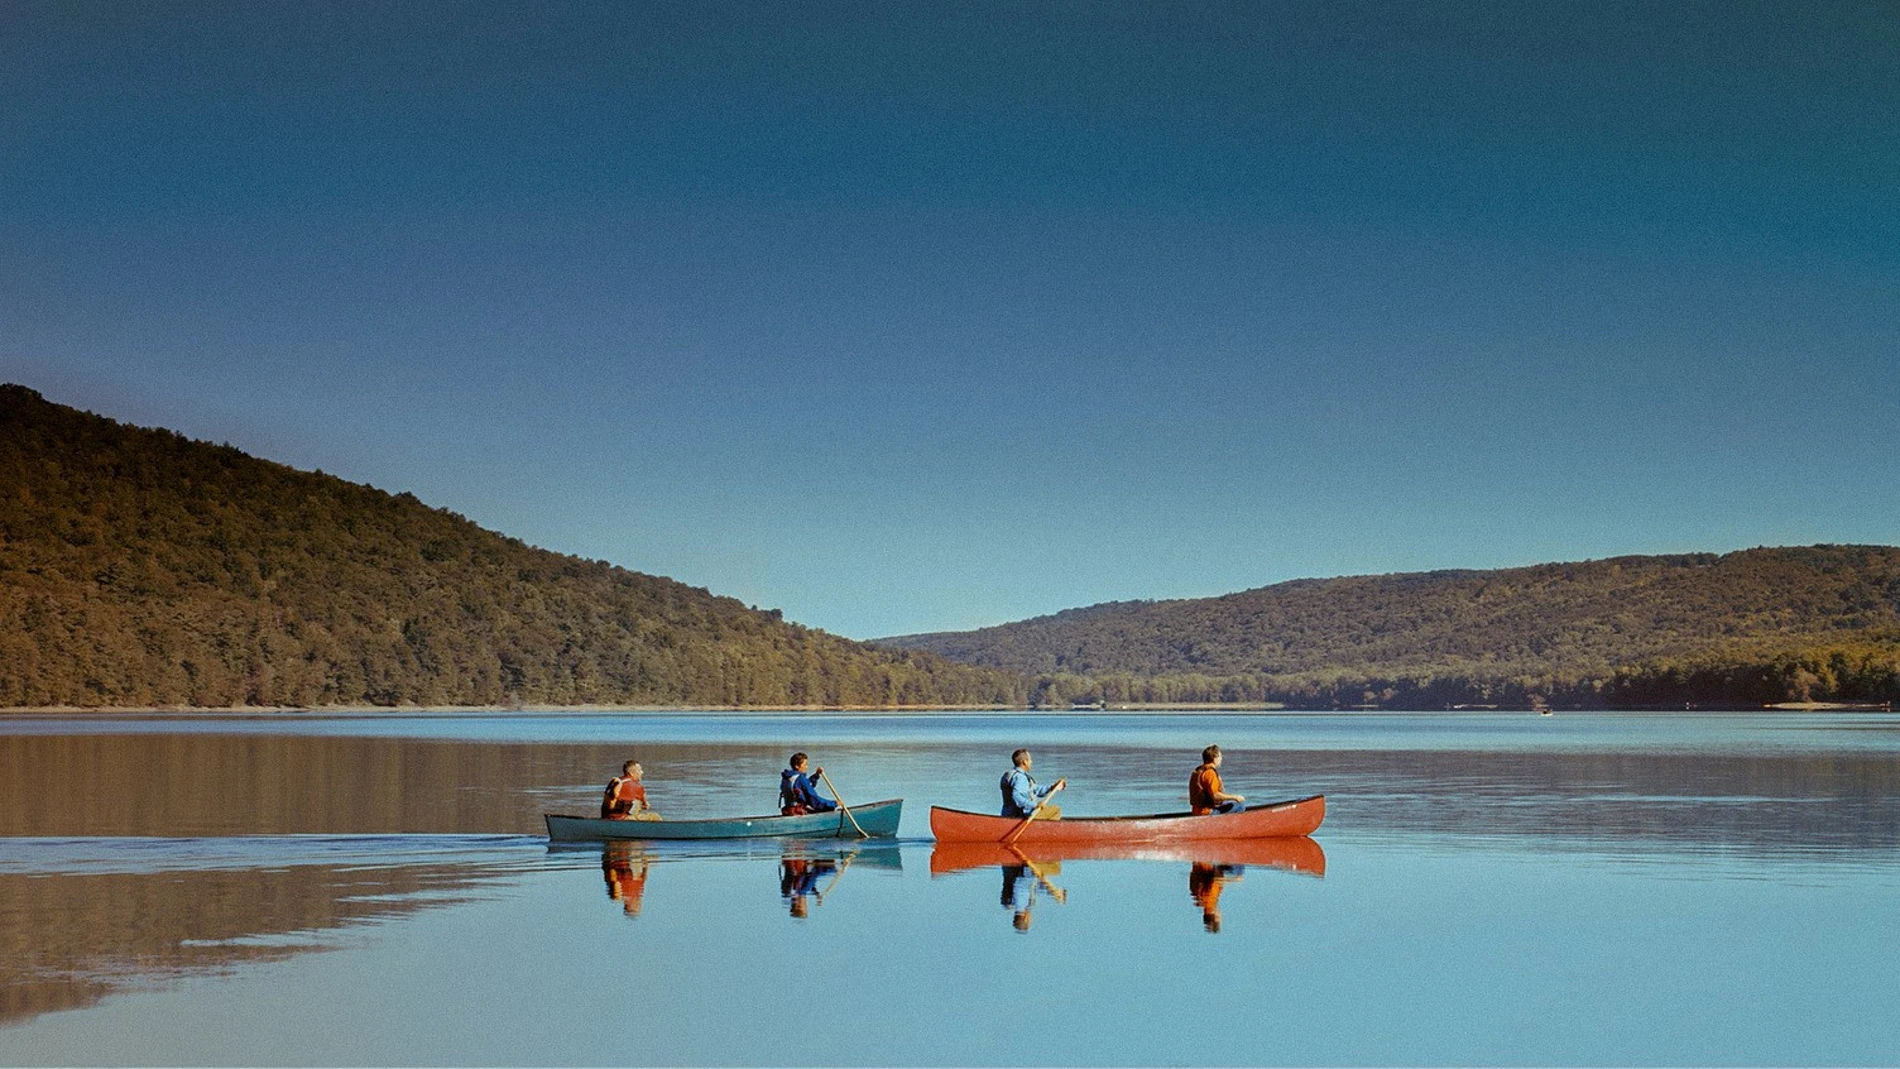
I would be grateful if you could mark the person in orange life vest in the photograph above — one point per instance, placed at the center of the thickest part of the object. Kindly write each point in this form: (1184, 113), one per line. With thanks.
(1204, 787)
(797, 793)
(626, 796)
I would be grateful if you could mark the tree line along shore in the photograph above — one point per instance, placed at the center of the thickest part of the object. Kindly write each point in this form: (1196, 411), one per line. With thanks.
(140, 569)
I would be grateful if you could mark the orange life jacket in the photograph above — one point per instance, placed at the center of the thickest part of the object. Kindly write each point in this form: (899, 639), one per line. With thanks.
(1203, 785)
(618, 801)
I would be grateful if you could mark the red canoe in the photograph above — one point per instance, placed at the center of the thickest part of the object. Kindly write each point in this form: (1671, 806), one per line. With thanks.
(1275, 820)
(1292, 853)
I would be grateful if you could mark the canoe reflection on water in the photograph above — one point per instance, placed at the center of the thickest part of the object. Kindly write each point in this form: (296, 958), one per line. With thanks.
(1029, 870)
(808, 871)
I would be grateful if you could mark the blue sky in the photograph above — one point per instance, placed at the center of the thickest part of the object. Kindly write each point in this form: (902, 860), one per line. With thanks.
(907, 317)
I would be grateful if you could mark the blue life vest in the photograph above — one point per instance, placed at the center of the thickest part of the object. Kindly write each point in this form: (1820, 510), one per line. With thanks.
(1010, 808)
(797, 793)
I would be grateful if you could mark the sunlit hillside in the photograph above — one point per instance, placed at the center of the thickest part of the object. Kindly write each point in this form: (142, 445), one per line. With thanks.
(140, 568)
(1818, 623)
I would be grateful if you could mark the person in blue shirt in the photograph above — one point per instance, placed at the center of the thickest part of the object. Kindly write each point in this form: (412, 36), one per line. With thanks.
(1022, 797)
(797, 793)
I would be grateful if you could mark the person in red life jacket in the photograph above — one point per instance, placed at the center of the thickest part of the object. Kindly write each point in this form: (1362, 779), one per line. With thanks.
(626, 796)
(797, 793)
(1205, 793)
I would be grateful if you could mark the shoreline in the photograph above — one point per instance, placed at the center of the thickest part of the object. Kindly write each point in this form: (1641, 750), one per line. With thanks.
(368, 712)
(377, 711)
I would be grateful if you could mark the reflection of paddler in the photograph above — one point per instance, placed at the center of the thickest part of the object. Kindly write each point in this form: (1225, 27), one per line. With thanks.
(1205, 883)
(798, 881)
(1019, 894)
(626, 875)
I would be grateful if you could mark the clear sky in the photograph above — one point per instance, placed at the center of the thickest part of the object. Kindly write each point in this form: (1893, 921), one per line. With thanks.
(907, 317)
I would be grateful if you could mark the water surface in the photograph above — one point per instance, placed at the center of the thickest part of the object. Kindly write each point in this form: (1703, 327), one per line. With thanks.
(1487, 889)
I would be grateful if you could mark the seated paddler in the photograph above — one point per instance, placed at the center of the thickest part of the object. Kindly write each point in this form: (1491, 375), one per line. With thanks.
(1205, 791)
(626, 796)
(1021, 795)
(797, 793)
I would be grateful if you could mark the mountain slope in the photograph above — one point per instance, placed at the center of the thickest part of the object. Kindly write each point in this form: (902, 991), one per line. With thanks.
(1553, 627)
(138, 567)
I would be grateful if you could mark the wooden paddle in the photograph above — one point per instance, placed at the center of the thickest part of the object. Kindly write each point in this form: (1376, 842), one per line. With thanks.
(1055, 892)
(838, 875)
(1018, 829)
(847, 809)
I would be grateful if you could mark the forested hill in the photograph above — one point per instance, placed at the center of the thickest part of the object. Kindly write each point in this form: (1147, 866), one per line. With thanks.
(140, 568)
(1815, 623)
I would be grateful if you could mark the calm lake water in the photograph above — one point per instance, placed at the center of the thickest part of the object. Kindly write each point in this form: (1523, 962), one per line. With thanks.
(1594, 889)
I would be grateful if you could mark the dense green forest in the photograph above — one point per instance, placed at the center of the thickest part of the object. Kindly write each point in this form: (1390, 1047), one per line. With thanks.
(1820, 623)
(140, 568)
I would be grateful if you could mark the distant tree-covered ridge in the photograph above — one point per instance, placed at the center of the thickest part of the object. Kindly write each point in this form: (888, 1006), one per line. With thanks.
(140, 568)
(1819, 623)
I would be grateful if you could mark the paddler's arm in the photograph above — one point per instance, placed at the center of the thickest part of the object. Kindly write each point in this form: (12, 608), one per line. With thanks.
(818, 801)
